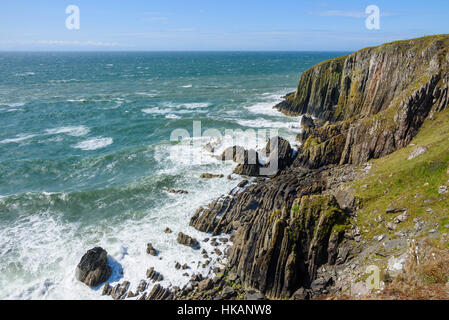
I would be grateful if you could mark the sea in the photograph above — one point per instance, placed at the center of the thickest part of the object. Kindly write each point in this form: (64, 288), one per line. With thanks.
(90, 142)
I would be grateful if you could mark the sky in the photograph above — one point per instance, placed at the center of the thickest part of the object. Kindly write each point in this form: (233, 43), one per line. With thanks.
(223, 25)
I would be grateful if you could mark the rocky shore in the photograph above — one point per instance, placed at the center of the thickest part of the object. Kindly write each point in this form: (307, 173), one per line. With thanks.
(303, 232)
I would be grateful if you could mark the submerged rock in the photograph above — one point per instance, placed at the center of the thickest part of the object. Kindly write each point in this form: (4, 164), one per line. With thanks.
(211, 176)
(178, 191)
(93, 269)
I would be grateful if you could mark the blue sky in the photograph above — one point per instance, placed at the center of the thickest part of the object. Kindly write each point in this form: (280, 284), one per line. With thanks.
(331, 25)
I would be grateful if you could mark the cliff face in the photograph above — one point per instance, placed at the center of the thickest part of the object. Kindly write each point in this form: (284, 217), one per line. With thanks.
(377, 98)
(368, 105)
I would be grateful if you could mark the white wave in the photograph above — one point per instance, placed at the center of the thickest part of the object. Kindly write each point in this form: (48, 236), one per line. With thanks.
(172, 116)
(24, 74)
(94, 144)
(64, 80)
(19, 138)
(13, 104)
(266, 107)
(76, 100)
(147, 94)
(197, 105)
(187, 86)
(155, 110)
(74, 131)
(266, 123)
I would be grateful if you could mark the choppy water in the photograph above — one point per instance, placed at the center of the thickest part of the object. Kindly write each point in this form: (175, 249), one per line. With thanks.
(85, 156)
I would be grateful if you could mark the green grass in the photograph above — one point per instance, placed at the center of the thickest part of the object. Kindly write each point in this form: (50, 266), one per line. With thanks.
(411, 184)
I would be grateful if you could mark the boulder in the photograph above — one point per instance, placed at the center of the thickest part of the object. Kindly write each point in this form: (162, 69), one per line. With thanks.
(443, 189)
(235, 153)
(178, 191)
(151, 250)
(93, 269)
(300, 294)
(307, 123)
(418, 151)
(187, 240)
(211, 176)
(205, 284)
(279, 151)
(255, 296)
(228, 292)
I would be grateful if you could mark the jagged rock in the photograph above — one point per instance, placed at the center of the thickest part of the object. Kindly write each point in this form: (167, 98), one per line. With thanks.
(159, 293)
(307, 123)
(218, 252)
(168, 230)
(178, 191)
(280, 154)
(154, 275)
(177, 266)
(205, 284)
(300, 294)
(401, 218)
(243, 184)
(393, 209)
(141, 287)
(187, 240)
(185, 266)
(250, 170)
(240, 155)
(151, 250)
(248, 160)
(119, 290)
(228, 292)
(443, 189)
(211, 176)
(391, 226)
(106, 290)
(93, 269)
(255, 296)
(209, 148)
(418, 151)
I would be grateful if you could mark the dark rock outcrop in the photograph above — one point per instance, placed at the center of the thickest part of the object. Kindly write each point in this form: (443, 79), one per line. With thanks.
(154, 275)
(187, 240)
(93, 269)
(280, 154)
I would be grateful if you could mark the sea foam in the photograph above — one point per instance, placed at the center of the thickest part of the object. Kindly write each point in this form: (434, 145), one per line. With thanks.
(94, 144)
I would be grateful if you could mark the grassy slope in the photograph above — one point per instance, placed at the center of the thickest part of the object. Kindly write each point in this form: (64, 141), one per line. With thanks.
(412, 184)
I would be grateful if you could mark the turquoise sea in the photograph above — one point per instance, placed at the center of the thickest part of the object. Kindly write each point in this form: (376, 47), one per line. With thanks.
(85, 156)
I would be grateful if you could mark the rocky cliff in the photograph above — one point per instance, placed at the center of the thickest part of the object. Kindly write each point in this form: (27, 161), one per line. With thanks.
(374, 100)
(365, 105)
(311, 228)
